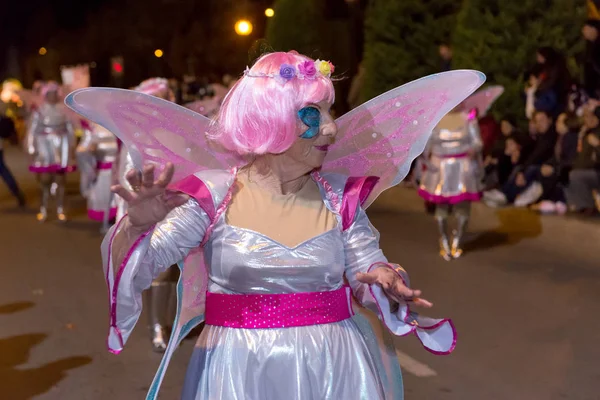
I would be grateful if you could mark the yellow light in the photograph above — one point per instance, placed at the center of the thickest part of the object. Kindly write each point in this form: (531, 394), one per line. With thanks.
(269, 12)
(243, 27)
(158, 53)
(43, 51)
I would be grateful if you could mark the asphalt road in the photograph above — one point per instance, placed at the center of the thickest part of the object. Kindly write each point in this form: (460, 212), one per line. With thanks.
(525, 299)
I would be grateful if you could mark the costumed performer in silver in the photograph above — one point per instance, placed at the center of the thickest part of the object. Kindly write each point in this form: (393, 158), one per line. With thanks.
(266, 217)
(96, 154)
(453, 174)
(51, 144)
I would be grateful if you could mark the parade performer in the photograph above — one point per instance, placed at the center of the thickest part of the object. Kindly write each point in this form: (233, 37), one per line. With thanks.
(265, 217)
(453, 174)
(96, 154)
(51, 144)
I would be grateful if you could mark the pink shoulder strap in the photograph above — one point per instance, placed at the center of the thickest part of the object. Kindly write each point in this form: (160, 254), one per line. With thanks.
(356, 191)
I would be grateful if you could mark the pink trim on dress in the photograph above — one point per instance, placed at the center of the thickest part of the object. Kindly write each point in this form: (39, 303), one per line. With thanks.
(104, 165)
(454, 199)
(52, 169)
(266, 311)
(115, 288)
(356, 191)
(221, 209)
(196, 188)
(98, 215)
(414, 326)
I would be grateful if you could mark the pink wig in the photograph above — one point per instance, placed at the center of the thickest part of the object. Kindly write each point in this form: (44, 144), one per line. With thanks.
(49, 87)
(259, 114)
(158, 87)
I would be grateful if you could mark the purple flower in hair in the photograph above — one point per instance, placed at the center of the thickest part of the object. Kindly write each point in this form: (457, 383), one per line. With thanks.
(287, 71)
(307, 68)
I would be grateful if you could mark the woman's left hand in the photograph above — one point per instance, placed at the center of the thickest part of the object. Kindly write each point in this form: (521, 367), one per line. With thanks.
(393, 286)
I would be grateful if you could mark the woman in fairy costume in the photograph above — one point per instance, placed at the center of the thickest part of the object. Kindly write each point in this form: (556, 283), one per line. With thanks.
(266, 217)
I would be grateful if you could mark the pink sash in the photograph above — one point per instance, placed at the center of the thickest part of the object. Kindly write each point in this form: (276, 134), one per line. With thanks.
(263, 311)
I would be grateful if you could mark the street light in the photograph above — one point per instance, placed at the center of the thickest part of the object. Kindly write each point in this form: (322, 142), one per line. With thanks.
(158, 53)
(243, 27)
(42, 51)
(269, 12)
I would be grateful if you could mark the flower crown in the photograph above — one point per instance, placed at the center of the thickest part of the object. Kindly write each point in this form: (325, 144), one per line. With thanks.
(305, 70)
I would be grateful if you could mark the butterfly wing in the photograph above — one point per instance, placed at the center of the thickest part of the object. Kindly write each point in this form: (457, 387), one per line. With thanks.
(382, 137)
(483, 99)
(154, 130)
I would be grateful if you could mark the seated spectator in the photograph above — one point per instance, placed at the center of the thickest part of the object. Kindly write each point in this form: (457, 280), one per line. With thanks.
(584, 178)
(554, 174)
(522, 188)
(497, 164)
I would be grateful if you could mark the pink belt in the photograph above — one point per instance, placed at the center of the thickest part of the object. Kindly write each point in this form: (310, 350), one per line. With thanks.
(261, 311)
(104, 165)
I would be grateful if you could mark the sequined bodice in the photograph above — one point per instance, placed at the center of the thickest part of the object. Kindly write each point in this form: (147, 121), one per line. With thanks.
(243, 261)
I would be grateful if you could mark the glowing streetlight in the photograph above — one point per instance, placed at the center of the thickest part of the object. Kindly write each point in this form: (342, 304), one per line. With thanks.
(243, 27)
(158, 53)
(269, 12)
(42, 51)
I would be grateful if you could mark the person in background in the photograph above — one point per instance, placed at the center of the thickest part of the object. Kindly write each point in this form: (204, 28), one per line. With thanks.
(584, 177)
(523, 189)
(8, 131)
(554, 174)
(445, 51)
(51, 144)
(497, 164)
(591, 66)
(553, 82)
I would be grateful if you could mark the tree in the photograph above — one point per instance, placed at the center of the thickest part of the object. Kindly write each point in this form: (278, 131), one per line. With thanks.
(297, 25)
(401, 41)
(500, 38)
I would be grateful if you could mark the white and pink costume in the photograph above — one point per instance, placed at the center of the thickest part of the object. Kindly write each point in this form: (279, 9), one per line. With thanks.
(279, 321)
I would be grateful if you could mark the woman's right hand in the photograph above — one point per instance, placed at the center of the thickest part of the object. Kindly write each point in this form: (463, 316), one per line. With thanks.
(149, 202)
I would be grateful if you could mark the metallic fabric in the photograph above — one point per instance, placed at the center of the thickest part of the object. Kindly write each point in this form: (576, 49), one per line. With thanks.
(50, 138)
(454, 167)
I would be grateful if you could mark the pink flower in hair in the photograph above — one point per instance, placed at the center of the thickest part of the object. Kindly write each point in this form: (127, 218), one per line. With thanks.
(308, 69)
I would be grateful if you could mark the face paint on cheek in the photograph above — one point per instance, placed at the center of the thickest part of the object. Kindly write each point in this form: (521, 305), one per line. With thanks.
(311, 117)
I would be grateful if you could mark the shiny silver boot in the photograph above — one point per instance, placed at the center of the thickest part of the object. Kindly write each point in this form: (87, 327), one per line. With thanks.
(457, 250)
(445, 251)
(42, 216)
(158, 300)
(59, 194)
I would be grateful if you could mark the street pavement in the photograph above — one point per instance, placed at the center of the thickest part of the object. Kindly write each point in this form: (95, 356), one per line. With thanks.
(525, 299)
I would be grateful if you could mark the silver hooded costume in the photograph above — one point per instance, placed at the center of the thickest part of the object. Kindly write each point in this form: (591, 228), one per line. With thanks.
(50, 143)
(96, 154)
(453, 175)
(338, 360)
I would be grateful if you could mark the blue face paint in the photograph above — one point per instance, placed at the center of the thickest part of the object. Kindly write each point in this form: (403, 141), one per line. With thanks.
(311, 117)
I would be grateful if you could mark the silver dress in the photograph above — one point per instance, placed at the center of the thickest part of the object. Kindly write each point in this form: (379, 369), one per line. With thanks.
(453, 168)
(50, 139)
(342, 360)
(96, 155)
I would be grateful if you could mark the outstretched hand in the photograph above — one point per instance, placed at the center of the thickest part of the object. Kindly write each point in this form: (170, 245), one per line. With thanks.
(150, 201)
(393, 286)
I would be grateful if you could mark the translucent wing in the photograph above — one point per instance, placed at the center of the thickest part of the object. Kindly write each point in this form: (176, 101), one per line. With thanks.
(154, 130)
(482, 100)
(206, 107)
(382, 137)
